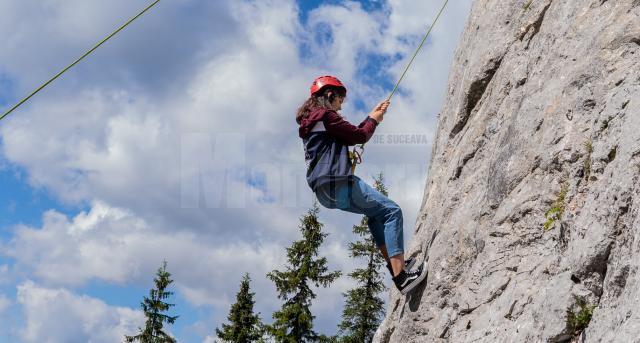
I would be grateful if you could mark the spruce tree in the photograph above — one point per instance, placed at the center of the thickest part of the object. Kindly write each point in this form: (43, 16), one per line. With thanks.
(154, 308)
(244, 326)
(293, 323)
(364, 307)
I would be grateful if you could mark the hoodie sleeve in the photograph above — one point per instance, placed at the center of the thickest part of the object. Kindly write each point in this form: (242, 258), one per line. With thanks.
(350, 134)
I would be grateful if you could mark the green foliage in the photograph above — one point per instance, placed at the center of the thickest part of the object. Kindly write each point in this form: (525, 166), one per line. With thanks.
(588, 146)
(293, 323)
(576, 322)
(244, 326)
(527, 5)
(154, 308)
(328, 339)
(557, 209)
(364, 308)
(378, 184)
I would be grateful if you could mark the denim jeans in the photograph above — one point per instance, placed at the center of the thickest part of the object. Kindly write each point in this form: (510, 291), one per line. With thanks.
(384, 215)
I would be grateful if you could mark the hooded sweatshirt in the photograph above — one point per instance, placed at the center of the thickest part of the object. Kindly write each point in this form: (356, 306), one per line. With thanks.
(327, 137)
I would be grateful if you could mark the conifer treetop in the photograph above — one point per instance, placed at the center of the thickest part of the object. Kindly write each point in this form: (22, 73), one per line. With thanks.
(154, 307)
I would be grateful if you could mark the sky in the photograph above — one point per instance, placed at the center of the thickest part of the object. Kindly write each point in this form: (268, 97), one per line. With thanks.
(176, 141)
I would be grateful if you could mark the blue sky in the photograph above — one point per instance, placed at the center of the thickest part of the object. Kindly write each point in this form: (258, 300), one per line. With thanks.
(92, 168)
(24, 204)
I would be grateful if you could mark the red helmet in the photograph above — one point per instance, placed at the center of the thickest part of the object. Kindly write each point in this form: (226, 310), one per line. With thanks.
(325, 81)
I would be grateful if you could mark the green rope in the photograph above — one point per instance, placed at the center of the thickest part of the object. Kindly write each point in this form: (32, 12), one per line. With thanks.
(424, 39)
(356, 156)
(78, 60)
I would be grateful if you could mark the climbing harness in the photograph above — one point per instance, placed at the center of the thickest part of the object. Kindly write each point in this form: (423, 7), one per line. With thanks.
(356, 154)
(79, 59)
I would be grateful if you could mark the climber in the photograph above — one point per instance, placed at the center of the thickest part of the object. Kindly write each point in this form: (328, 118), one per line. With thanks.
(327, 137)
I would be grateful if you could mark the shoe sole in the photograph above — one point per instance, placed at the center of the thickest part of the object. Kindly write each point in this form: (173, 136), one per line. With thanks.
(418, 280)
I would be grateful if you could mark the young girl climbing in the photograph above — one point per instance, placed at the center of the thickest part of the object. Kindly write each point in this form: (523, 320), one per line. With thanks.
(327, 137)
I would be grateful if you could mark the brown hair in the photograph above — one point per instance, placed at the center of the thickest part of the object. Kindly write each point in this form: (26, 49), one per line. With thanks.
(323, 100)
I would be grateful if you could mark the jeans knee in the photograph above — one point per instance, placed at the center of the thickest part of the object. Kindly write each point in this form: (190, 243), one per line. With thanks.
(325, 201)
(395, 211)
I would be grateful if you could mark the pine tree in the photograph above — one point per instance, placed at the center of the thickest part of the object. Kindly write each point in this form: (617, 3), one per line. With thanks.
(244, 326)
(364, 308)
(294, 322)
(154, 308)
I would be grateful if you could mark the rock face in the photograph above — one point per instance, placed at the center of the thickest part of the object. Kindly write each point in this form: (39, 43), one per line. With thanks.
(530, 215)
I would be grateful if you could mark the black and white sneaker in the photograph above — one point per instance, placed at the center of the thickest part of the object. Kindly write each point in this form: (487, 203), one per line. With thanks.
(408, 264)
(408, 280)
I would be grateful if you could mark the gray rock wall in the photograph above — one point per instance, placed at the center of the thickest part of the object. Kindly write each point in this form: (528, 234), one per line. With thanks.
(533, 193)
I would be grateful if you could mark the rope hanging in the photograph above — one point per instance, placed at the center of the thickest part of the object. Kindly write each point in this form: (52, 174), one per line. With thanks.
(78, 60)
(356, 154)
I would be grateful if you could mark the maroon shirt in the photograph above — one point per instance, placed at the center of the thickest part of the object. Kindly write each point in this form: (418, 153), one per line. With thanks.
(336, 126)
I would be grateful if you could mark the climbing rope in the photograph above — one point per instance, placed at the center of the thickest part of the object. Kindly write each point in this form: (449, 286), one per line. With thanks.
(356, 154)
(78, 60)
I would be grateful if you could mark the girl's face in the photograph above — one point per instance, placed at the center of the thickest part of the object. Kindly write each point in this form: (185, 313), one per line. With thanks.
(337, 102)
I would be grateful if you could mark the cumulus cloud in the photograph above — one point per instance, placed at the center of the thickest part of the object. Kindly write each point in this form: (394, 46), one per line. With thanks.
(58, 315)
(69, 253)
(154, 53)
(125, 148)
(339, 34)
(113, 245)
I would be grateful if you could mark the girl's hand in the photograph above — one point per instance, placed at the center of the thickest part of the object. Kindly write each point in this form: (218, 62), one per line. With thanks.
(378, 112)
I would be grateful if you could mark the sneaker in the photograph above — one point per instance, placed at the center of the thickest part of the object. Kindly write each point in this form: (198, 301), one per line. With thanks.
(408, 280)
(408, 264)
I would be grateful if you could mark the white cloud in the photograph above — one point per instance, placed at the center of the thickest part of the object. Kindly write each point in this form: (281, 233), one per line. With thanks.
(153, 53)
(93, 245)
(339, 34)
(58, 315)
(112, 245)
(123, 147)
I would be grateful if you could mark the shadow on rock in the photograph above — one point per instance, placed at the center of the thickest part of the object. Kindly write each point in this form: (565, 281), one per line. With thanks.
(415, 297)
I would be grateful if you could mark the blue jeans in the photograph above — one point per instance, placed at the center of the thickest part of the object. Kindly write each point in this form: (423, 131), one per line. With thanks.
(384, 215)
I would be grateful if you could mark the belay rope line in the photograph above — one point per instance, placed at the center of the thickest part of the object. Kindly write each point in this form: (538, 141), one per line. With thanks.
(78, 60)
(356, 154)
